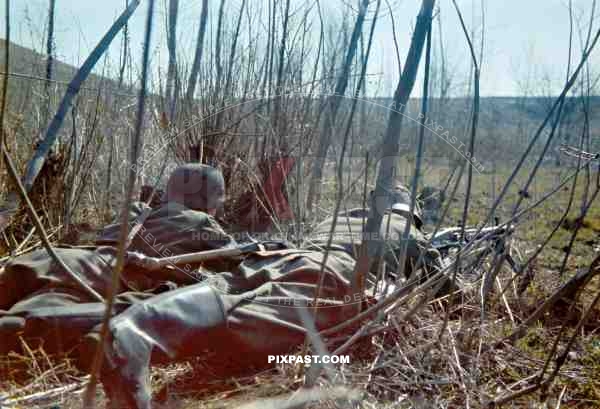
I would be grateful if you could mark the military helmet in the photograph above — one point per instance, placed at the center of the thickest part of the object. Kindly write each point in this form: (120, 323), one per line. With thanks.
(398, 200)
(197, 186)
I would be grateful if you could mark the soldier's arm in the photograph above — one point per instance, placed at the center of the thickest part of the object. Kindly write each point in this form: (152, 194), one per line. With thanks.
(109, 235)
(212, 235)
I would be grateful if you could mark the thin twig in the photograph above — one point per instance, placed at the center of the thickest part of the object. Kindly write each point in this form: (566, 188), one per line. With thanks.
(40, 228)
(6, 67)
(136, 145)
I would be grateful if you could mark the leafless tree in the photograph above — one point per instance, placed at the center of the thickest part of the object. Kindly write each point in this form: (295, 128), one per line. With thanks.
(391, 142)
(195, 70)
(172, 88)
(331, 110)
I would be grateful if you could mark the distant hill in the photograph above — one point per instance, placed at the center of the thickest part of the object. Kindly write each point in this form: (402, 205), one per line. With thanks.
(504, 113)
(28, 69)
(26, 61)
(29, 62)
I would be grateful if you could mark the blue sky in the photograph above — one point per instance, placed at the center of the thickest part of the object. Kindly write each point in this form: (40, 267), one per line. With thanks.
(525, 46)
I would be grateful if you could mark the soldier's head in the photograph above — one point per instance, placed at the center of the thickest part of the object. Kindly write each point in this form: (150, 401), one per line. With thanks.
(398, 199)
(198, 187)
(432, 197)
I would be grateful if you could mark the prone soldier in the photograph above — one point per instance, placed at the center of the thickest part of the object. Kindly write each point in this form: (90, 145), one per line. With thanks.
(348, 234)
(259, 314)
(39, 300)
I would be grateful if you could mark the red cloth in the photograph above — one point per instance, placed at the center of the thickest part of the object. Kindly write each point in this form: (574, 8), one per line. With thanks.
(273, 188)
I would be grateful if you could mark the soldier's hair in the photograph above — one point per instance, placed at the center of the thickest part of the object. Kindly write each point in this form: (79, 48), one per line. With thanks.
(182, 175)
(194, 179)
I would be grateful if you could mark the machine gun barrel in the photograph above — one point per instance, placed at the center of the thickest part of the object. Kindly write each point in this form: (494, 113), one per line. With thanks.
(450, 237)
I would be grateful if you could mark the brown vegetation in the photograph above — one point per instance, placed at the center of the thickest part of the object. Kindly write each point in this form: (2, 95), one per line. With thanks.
(261, 93)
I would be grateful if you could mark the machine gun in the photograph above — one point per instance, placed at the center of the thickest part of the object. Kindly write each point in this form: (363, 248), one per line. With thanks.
(449, 238)
(493, 239)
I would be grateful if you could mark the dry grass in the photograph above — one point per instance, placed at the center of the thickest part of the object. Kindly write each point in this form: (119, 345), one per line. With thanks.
(407, 363)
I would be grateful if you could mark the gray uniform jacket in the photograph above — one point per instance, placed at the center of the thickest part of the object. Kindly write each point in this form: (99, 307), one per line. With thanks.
(34, 287)
(348, 236)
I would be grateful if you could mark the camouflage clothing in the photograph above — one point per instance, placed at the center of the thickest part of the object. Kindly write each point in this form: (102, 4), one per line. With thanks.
(33, 281)
(243, 316)
(240, 319)
(348, 236)
(169, 230)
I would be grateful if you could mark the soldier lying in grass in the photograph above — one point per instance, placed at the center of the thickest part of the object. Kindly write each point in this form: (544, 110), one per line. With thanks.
(348, 233)
(35, 292)
(241, 318)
